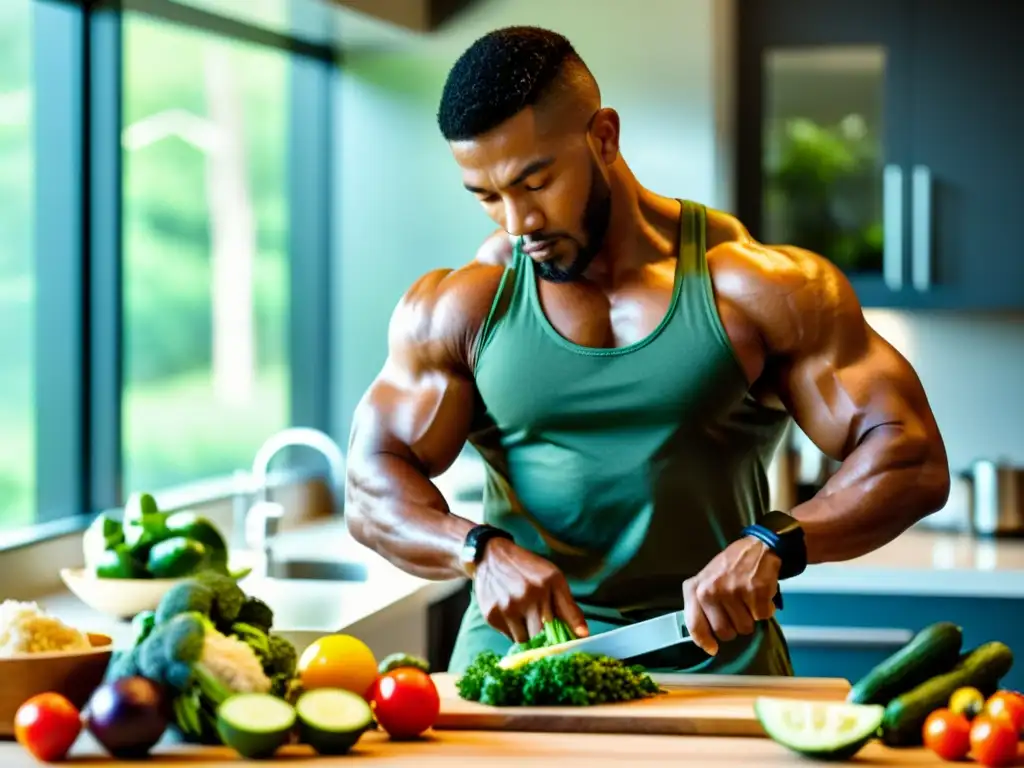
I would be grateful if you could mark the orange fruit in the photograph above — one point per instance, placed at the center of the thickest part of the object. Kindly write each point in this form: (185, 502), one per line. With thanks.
(338, 661)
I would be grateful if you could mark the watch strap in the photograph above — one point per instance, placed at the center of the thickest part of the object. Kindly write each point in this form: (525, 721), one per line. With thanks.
(475, 544)
(784, 536)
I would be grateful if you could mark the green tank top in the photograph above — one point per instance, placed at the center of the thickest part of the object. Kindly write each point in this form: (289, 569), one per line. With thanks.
(631, 467)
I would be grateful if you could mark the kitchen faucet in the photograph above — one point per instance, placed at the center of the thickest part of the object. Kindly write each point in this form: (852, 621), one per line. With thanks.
(261, 519)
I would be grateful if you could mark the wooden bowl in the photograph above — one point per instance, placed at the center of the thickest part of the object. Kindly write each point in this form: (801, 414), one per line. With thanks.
(120, 598)
(73, 674)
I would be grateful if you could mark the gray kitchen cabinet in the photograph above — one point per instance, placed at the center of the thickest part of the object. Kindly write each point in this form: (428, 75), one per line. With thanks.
(873, 625)
(884, 134)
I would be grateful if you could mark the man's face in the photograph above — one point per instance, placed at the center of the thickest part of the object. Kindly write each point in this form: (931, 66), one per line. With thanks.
(545, 184)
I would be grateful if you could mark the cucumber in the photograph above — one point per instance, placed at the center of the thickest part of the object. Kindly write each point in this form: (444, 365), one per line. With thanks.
(820, 730)
(932, 651)
(255, 725)
(981, 668)
(332, 720)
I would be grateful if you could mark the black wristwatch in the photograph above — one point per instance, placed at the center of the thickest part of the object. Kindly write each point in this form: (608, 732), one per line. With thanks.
(474, 544)
(783, 535)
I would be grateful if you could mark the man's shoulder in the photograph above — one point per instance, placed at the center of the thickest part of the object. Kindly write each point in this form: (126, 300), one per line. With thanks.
(783, 289)
(442, 313)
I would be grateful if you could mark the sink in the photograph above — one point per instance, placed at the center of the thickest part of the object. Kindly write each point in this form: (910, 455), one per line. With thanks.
(318, 570)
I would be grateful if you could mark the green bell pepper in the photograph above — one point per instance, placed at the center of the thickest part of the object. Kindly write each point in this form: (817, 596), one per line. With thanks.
(201, 529)
(102, 534)
(119, 563)
(144, 525)
(176, 557)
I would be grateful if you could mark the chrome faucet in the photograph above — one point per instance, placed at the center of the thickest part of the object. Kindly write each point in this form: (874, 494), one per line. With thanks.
(261, 518)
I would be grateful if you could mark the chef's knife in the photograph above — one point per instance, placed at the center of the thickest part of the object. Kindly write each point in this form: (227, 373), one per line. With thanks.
(636, 639)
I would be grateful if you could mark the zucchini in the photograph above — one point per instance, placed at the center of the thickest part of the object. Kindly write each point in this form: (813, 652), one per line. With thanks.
(819, 730)
(905, 715)
(932, 651)
(332, 720)
(255, 725)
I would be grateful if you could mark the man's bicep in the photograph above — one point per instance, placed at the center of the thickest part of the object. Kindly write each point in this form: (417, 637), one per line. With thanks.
(424, 418)
(420, 405)
(842, 379)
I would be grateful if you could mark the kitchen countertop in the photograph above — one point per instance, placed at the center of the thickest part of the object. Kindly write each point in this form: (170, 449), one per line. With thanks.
(504, 748)
(921, 562)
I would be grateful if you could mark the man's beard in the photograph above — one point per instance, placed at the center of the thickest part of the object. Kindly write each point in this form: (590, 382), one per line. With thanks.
(596, 216)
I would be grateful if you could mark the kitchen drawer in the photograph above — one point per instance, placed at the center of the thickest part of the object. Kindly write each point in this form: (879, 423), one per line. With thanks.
(982, 620)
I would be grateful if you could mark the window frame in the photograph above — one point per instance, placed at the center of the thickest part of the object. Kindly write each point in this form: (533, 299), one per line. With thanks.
(77, 125)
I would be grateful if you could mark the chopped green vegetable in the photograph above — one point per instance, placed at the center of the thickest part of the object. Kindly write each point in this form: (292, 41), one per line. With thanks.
(255, 725)
(577, 679)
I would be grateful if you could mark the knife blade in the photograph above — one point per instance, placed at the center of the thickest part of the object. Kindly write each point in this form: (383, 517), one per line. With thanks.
(633, 640)
(637, 639)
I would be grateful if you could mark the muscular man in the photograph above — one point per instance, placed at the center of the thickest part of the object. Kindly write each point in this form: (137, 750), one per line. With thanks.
(625, 364)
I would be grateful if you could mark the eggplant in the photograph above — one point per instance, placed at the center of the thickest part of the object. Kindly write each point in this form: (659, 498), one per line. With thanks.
(127, 716)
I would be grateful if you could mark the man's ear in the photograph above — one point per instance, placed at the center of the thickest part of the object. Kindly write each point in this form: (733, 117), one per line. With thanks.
(604, 132)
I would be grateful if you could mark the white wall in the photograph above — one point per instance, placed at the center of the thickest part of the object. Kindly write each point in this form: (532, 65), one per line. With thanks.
(402, 207)
(667, 70)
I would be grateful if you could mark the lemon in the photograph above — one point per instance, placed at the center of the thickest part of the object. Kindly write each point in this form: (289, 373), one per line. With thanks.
(338, 661)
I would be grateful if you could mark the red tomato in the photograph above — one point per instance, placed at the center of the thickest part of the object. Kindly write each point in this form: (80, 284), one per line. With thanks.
(947, 734)
(47, 725)
(993, 741)
(1009, 705)
(405, 702)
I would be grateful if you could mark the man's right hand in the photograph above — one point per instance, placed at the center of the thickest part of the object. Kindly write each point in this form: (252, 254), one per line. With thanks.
(518, 591)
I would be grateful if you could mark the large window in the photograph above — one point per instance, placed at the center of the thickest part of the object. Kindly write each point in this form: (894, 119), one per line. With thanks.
(17, 401)
(206, 278)
(165, 193)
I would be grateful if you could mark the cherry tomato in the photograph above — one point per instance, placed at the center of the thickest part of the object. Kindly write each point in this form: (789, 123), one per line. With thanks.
(1009, 705)
(947, 734)
(993, 741)
(405, 702)
(47, 725)
(967, 701)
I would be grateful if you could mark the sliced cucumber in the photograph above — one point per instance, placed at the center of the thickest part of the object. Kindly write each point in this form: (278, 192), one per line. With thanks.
(822, 730)
(255, 725)
(331, 720)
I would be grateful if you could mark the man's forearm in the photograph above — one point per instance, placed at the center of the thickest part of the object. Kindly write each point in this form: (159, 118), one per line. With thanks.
(888, 483)
(392, 508)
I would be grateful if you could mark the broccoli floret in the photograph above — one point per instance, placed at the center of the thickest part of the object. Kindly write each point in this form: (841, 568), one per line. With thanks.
(228, 598)
(283, 657)
(123, 663)
(186, 597)
(256, 613)
(576, 679)
(170, 655)
(255, 638)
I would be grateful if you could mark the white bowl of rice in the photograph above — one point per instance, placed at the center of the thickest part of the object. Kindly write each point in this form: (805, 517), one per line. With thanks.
(39, 654)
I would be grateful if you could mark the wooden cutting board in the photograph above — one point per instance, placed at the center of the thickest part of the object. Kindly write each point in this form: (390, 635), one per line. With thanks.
(707, 705)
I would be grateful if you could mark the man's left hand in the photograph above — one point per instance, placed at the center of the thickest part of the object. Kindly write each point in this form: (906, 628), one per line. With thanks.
(732, 592)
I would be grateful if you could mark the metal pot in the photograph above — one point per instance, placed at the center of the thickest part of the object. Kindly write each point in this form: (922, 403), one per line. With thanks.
(997, 498)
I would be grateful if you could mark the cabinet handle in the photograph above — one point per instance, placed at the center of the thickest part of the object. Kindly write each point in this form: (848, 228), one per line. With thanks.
(921, 252)
(892, 224)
